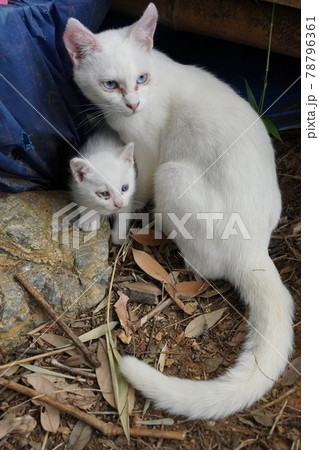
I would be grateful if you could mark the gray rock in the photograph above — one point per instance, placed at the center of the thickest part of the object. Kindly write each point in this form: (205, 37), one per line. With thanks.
(39, 238)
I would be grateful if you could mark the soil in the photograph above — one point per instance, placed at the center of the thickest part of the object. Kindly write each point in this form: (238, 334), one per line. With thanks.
(272, 423)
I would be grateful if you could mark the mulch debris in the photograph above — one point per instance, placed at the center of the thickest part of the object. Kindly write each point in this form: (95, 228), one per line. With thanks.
(191, 350)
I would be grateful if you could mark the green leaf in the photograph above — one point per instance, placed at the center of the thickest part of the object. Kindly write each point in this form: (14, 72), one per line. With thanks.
(120, 386)
(97, 332)
(43, 371)
(251, 97)
(271, 127)
(165, 421)
(246, 422)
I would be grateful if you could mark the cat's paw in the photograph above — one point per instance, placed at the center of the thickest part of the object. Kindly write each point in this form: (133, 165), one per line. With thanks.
(90, 225)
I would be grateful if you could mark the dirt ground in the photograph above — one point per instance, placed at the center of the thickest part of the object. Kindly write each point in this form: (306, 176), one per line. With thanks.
(272, 423)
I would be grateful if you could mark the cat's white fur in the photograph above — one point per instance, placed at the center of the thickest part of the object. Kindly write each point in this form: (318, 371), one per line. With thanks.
(105, 165)
(200, 148)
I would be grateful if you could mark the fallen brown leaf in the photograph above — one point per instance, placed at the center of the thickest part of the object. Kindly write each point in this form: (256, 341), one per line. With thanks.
(49, 416)
(292, 372)
(148, 237)
(150, 266)
(80, 436)
(122, 312)
(17, 425)
(191, 288)
(203, 322)
(103, 374)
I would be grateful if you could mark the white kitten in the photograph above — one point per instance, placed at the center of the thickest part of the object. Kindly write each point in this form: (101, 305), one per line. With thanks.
(200, 149)
(103, 181)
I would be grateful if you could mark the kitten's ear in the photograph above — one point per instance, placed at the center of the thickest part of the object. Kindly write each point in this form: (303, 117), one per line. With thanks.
(143, 30)
(79, 41)
(80, 168)
(127, 154)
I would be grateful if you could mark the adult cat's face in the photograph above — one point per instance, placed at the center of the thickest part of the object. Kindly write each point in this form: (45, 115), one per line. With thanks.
(113, 68)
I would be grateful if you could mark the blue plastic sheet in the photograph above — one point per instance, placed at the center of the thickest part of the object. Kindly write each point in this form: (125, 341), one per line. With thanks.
(37, 117)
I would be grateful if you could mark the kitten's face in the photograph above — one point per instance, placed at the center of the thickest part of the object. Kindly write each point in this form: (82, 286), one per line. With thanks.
(105, 183)
(113, 68)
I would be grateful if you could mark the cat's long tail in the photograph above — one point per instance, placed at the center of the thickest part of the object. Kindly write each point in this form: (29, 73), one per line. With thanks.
(264, 357)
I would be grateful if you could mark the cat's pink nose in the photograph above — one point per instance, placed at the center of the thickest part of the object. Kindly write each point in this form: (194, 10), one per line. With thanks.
(118, 203)
(133, 107)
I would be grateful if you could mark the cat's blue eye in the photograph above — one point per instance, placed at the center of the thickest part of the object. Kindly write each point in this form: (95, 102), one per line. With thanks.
(104, 194)
(142, 78)
(110, 84)
(124, 188)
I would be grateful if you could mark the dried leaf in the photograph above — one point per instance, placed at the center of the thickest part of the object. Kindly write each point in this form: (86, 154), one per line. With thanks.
(237, 339)
(55, 340)
(292, 372)
(80, 436)
(124, 337)
(203, 322)
(121, 390)
(139, 286)
(212, 364)
(17, 425)
(148, 237)
(162, 358)
(150, 266)
(191, 288)
(122, 312)
(215, 292)
(49, 416)
(74, 394)
(263, 418)
(103, 374)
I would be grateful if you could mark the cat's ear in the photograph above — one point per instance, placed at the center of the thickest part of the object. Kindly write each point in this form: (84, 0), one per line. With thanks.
(79, 41)
(127, 154)
(143, 30)
(80, 168)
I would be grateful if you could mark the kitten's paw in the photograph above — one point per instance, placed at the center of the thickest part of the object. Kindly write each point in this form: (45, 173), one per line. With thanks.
(90, 225)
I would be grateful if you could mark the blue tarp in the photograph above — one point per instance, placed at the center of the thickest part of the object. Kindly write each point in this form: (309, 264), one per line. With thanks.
(42, 112)
(36, 96)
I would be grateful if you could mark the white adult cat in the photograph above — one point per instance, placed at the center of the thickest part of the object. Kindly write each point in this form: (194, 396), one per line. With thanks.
(103, 181)
(200, 148)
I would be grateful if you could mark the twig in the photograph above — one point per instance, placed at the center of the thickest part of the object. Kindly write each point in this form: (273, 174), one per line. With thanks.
(107, 429)
(33, 358)
(159, 308)
(75, 371)
(286, 394)
(38, 297)
(45, 440)
(246, 443)
(277, 419)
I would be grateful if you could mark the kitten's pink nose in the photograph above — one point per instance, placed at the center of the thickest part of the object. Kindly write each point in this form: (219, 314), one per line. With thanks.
(133, 107)
(118, 203)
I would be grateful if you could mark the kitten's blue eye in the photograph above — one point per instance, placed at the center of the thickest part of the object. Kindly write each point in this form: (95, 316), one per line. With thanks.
(124, 188)
(104, 194)
(142, 78)
(110, 84)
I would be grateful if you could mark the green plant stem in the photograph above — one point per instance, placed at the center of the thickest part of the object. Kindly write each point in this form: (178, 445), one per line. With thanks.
(261, 103)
